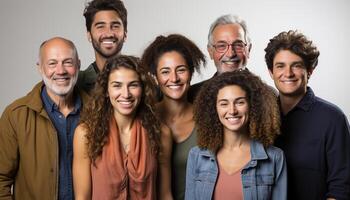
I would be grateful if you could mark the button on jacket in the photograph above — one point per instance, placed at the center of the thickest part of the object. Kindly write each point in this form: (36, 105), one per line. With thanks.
(263, 177)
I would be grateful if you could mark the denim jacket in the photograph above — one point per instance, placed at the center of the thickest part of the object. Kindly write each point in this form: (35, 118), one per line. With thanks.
(263, 177)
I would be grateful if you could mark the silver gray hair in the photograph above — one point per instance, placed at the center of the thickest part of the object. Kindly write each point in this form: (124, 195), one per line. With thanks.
(228, 19)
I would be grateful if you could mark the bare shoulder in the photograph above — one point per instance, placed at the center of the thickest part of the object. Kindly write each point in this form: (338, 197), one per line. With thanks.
(80, 132)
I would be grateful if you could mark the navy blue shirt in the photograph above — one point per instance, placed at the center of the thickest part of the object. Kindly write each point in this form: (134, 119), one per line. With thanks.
(65, 127)
(316, 142)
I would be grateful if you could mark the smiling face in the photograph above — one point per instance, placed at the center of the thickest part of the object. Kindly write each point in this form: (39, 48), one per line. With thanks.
(230, 60)
(289, 74)
(107, 33)
(124, 91)
(173, 75)
(58, 65)
(233, 109)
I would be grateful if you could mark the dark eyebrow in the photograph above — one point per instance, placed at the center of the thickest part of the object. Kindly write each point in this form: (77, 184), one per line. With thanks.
(136, 81)
(240, 98)
(116, 22)
(220, 100)
(165, 67)
(298, 62)
(279, 63)
(293, 63)
(99, 23)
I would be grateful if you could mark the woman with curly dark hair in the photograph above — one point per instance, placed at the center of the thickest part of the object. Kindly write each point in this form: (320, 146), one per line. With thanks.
(118, 140)
(172, 60)
(237, 117)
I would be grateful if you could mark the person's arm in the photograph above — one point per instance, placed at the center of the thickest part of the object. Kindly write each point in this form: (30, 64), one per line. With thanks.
(190, 173)
(338, 159)
(81, 165)
(164, 161)
(279, 190)
(9, 156)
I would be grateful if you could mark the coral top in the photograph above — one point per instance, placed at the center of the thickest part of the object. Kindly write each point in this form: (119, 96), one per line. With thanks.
(121, 175)
(228, 186)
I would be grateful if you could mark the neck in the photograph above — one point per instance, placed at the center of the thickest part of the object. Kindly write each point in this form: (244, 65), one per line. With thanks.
(289, 102)
(100, 61)
(175, 108)
(234, 140)
(124, 123)
(65, 103)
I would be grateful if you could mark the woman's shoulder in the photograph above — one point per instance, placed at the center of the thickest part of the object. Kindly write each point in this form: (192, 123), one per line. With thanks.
(274, 152)
(197, 151)
(81, 130)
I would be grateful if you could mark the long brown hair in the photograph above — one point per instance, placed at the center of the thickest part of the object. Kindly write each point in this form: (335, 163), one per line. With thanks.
(98, 112)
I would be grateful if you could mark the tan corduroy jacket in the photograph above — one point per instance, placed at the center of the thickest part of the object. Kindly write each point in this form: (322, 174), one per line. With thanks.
(29, 149)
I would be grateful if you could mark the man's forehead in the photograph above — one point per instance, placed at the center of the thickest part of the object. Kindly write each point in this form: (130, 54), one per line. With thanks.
(228, 31)
(57, 51)
(105, 16)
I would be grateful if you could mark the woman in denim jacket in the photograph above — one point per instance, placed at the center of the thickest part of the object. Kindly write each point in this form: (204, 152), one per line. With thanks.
(237, 118)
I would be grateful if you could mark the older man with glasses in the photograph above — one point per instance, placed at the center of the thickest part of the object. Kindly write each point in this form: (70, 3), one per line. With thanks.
(228, 46)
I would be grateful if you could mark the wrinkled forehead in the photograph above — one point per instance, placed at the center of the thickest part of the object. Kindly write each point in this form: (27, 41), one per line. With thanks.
(228, 33)
(57, 49)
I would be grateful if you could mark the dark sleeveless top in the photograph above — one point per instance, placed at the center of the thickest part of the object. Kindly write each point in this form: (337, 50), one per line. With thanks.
(179, 161)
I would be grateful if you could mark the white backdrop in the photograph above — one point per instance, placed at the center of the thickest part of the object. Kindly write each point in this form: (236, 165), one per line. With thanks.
(25, 24)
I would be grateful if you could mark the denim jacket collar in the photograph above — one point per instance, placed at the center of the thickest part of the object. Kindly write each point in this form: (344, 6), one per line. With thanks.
(207, 153)
(257, 152)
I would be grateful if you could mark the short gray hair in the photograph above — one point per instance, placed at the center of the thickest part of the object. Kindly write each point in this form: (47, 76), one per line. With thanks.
(228, 19)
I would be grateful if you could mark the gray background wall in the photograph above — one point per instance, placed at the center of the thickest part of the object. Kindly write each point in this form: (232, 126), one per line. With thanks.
(25, 24)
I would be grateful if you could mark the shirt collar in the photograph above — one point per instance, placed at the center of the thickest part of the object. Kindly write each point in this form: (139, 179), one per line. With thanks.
(94, 65)
(307, 100)
(257, 151)
(50, 106)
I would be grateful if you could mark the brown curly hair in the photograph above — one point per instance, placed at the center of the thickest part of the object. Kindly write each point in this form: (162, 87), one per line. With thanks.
(295, 42)
(264, 117)
(99, 110)
(173, 42)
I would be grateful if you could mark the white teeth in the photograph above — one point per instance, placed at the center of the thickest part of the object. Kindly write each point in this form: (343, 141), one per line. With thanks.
(125, 102)
(174, 86)
(108, 42)
(289, 81)
(60, 79)
(233, 119)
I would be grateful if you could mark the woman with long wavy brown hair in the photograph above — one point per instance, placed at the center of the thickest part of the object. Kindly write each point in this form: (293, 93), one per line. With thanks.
(237, 117)
(118, 141)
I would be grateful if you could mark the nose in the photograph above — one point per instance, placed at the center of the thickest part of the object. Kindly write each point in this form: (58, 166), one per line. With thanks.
(231, 52)
(60, 69)
(233, 109)
(126, 92)
(108, 31)
(174, 77)
(288, 72)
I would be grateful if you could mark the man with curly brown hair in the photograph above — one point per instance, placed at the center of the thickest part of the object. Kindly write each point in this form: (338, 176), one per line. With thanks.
(315, 133)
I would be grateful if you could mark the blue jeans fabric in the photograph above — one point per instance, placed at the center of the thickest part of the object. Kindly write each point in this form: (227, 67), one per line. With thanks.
(264, 177)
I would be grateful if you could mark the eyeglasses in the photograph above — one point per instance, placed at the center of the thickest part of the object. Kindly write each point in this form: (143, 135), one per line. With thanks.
(222, 47)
